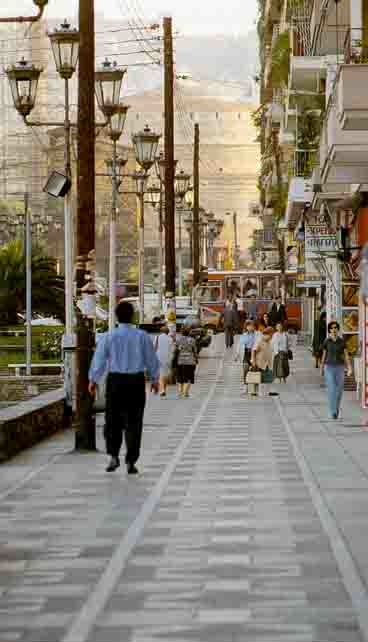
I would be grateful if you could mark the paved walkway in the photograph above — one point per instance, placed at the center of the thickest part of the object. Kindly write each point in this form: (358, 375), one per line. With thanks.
(248, 524)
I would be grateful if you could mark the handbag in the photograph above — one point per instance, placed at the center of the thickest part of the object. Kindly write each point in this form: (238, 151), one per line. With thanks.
(254, 377)
(266, 376)
(174, 363)
(290, 355)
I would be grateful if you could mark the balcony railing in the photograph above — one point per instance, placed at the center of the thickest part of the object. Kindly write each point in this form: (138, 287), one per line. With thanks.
(305, 160)
(356, 47)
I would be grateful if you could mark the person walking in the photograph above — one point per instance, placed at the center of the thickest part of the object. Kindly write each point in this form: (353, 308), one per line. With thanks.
(264, 322)
(334, 357)
(125, 353)
(164, 346)
(281, 350)
(262, 358)
(319, 337)
(245, 347)
(229, 317)
(187, 359)
(277, 312)
(252, 308)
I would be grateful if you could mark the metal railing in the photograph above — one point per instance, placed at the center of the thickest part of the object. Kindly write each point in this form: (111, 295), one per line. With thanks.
(356, 47)
(305, 160)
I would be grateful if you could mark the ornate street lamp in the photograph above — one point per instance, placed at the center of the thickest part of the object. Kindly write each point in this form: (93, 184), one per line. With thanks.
(23, 78)
(117, 122)
(145, 145)
(182, 183)
(65, 47)
(108, 81)
(140, 179)
(160, 166)
(219, 226)
(120, 163)
(154, 194)
(189, 198)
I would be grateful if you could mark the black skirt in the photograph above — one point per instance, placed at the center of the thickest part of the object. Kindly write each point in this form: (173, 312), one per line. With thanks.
(185, 374)
(281, 368)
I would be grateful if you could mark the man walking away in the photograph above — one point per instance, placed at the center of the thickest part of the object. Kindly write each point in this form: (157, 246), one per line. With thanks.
(252, 308)
(229, 316)
(277, 312)
(334, 356)
(125, 353)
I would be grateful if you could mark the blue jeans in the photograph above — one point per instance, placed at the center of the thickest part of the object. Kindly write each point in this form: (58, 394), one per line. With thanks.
(334, 376)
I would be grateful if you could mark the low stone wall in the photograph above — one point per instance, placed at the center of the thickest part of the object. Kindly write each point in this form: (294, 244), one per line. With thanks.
(27, 423)
(22, 388)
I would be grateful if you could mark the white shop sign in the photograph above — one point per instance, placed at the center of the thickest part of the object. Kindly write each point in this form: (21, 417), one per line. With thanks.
(318, 238)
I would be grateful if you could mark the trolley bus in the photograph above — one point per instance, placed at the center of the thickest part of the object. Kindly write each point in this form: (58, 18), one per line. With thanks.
(244, 284)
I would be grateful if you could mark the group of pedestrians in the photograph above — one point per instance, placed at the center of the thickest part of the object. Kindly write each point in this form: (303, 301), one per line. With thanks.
(264, 353)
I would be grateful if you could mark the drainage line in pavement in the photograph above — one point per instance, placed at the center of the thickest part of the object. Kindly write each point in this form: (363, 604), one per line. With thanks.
(344, 557)
(96, 602)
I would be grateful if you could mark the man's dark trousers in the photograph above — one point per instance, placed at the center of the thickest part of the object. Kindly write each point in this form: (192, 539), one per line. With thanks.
(229, 336)
(125, 402)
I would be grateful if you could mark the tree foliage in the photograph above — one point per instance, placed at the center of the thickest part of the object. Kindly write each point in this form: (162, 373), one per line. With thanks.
(47, 285)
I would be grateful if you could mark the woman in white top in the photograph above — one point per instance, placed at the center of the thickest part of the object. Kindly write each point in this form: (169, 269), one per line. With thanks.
(262, 357)
(280, 348)
(164, 350)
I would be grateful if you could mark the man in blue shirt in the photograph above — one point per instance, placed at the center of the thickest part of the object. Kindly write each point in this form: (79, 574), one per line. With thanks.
(126, 354)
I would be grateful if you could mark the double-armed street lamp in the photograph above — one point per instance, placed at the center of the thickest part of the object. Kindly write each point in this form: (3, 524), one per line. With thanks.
(23, 78)
(145, 145)
(182, 186)
(27, 222)
(214, 229)
(115, 167)
(236, 247)
(155, 199)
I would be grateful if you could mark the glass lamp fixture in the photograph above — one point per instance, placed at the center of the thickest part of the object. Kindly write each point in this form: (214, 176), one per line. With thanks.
(108, 81)
(154, 193)
(65, 47)
(145, 145)
(182, 182)
(117, 122)
(23, 78)
(140, 179)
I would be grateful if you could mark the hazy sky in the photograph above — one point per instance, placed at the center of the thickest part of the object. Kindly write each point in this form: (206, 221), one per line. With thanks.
(190, 16)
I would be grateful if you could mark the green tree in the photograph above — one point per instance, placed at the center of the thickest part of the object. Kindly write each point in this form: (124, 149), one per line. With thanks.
(47, 285)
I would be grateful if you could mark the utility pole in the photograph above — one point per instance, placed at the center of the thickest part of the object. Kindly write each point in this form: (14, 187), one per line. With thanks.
(28, 253)
(170, 264)
(169, 160)
(85, 427)
(196, 206)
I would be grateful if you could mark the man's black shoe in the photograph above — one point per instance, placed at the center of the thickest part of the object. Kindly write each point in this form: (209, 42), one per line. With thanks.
(335, 415)
(132, 470)
(113, 465)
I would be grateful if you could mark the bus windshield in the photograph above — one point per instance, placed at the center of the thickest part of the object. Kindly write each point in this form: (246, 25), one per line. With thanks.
(211, 292)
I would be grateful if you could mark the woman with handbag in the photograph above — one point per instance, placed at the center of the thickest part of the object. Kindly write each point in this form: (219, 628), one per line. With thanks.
(187, 359)
(281, 352)
(245, 347)
(262, 359)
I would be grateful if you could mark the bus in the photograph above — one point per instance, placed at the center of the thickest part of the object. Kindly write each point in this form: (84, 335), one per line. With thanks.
(211, 296)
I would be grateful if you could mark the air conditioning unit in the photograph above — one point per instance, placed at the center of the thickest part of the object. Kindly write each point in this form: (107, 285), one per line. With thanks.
(316, 180)
(254, 209)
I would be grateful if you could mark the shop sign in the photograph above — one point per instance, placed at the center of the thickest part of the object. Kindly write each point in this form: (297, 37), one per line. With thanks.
(318, 238)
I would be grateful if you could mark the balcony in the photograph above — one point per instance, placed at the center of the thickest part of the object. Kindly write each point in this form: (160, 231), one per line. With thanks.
(352, 97)
(300, 186)
(343, 153)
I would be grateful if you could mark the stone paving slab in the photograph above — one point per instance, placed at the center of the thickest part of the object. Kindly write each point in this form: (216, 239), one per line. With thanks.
(225, 544)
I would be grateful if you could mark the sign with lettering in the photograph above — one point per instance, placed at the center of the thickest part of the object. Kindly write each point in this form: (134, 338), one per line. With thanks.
(318, 238)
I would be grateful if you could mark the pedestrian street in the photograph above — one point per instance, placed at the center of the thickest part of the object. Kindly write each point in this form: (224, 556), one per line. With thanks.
(247, 523)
